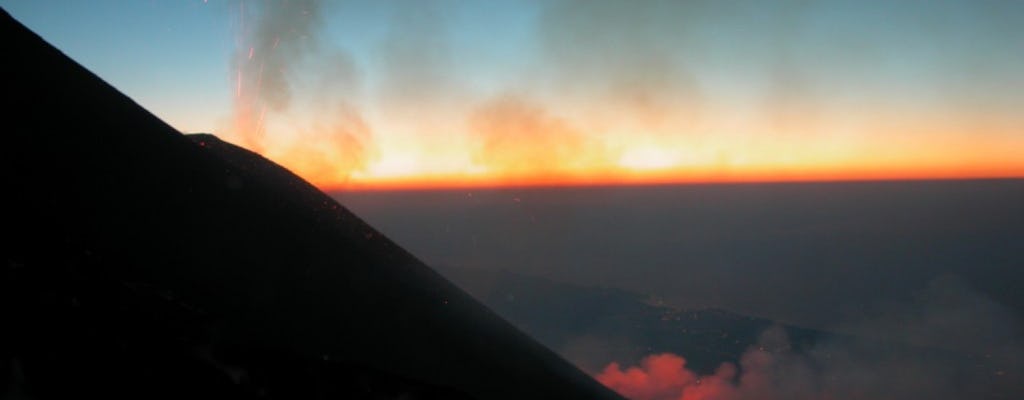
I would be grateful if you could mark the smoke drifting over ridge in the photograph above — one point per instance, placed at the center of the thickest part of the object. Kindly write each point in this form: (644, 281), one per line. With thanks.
(273, 39)
(288, 79)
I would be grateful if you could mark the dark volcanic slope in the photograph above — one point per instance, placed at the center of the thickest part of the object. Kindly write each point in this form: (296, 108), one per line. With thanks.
(144, 264)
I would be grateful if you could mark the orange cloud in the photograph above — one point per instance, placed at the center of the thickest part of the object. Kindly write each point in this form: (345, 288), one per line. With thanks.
(513, 137)
(665, 377)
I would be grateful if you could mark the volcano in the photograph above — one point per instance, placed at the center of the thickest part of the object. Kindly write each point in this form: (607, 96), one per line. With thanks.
(144, 263)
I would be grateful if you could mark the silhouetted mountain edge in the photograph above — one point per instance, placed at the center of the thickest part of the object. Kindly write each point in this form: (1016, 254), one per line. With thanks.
(142, 264)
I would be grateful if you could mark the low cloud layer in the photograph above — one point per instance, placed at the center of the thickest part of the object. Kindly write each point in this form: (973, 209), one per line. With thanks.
(950, 343)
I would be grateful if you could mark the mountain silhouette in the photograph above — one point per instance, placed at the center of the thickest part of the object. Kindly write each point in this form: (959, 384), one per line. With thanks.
(143, 263)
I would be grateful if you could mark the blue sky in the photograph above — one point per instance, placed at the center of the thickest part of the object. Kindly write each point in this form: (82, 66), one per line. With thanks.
(170, 56)
(174, 56)
(686, 88)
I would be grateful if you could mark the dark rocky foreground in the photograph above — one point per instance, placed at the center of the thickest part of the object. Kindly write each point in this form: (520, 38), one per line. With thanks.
(145, 264)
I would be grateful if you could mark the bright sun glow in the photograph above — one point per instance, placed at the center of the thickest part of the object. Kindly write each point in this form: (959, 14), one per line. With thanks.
(648, 158)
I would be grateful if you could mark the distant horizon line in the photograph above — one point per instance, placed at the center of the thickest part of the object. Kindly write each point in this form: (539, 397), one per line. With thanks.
(488, 186)
(607, 178)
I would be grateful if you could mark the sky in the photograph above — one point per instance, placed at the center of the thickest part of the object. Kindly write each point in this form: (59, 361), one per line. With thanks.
(389, 94)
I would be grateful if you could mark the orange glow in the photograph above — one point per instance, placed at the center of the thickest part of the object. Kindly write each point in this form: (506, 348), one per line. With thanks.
(395, 167)
(628, 179)
(648, 159)
(515, 141)
(576, 107)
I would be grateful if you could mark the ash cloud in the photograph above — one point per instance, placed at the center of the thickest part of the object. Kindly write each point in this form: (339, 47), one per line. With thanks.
(717, 78)
(279, 52)
(657, 64)
(622, 55)
(950, 343)
(420, 78)
(284, 33)
(517, 136)
(274, 38)
(676, 65)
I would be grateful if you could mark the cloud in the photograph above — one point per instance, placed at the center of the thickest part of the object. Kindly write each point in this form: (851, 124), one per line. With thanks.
(623, 57)
(419, 77)
(948, 314)
(701, 88)
(323, 134)
(665, 377)
(517, 137)
(274, 37)
(330, 152)
(957, 344)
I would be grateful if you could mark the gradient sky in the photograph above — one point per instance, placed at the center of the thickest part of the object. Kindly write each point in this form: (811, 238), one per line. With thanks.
(443, 93)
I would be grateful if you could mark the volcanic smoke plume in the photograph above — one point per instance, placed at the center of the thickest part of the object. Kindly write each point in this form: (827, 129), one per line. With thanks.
(321, 134)
(268, 48)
